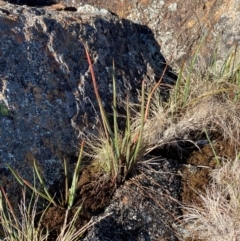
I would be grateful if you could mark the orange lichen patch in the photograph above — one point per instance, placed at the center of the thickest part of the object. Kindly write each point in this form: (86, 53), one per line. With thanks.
(125, 200)
(122, 9)
(56, 7)
(145, 2)
(207, 14)
(191, 23)
(210, 13)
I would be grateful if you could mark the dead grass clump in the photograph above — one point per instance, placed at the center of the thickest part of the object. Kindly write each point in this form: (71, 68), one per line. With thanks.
(214, 112)
(198, 103)
(210, 104)
(218, 218)
(23, 228)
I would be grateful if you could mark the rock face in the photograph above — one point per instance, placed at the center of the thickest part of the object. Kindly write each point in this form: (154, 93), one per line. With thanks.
(45, 83)
(180, 25)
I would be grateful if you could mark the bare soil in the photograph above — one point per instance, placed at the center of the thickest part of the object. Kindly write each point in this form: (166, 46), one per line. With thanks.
(196, 172)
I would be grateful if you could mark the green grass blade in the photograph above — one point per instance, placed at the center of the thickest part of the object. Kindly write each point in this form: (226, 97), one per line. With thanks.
(39, 193)
(115, 114)
(107, 129)
(139, 140)
(214, 152)
(16, 175)
(187, 84)
(126, 146)
(40, 177)
(177, 86)
(136, 143)
(72, 191)
(105, 121)
(237, 80)
(23, 182)
(66, 180)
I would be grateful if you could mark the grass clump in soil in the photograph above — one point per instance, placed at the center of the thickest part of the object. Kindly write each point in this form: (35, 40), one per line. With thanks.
(210, 105)
(117, 152)
(24, 229)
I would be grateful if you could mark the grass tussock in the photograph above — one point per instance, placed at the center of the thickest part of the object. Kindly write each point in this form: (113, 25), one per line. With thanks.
(212, 105)
(14, 228)
(197, 103)
(70, 193)
(24, 224)
(200, 104)
(218, 216)
(114, 151)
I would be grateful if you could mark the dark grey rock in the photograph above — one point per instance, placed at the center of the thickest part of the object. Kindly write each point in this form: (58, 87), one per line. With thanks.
(46, 85)
(144, 209)
(33, 2)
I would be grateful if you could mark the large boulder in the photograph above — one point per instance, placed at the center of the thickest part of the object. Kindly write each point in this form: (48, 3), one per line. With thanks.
(46, 93)
(179, 25)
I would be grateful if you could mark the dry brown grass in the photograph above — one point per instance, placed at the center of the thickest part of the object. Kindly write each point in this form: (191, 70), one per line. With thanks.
(211, 106)
(218, 218)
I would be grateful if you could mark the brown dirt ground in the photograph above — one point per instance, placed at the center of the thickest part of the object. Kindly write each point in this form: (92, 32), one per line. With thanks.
(195, 175)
